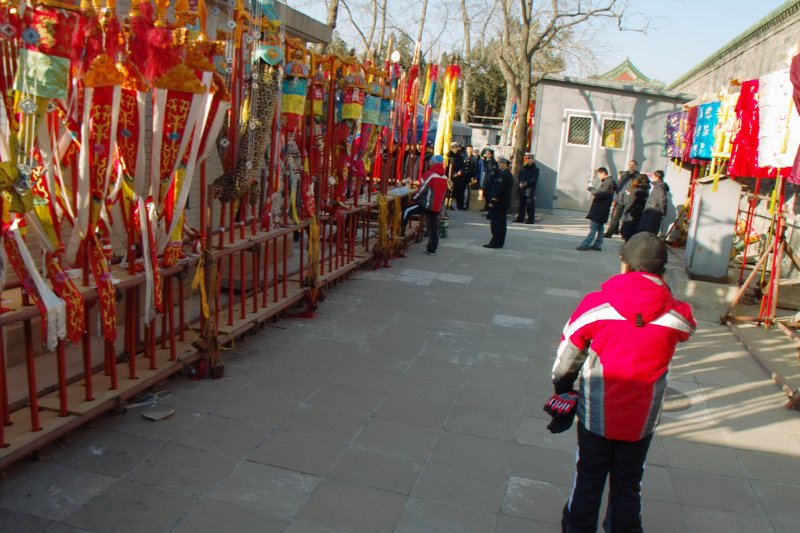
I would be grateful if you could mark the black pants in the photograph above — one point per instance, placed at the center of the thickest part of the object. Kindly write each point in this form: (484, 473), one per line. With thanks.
(526, 209)
(597, 458)
(498, 219)
(433, 221)
(459, 191)
(613, 221)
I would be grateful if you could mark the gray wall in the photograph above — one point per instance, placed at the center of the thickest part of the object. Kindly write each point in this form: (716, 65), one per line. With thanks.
(646, 113)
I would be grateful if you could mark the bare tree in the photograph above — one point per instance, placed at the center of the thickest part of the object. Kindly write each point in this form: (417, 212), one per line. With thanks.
(383, 30)
(466, 67)
(333, 15)
(418, 48)
(542, 25)
(367, 38)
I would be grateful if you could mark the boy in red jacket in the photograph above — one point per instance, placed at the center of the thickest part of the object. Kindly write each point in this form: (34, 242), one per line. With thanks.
(619, 342)
(432, 190)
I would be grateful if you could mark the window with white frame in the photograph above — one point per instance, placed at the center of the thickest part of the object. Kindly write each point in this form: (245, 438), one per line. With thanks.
(614, 133)
(580, 130)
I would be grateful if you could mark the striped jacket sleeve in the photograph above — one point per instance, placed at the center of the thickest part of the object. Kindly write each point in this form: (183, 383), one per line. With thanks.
(574, 347)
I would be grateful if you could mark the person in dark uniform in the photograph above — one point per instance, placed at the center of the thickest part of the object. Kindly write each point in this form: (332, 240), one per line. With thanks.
(455, 171)
(488, 173)
(616, 207)
(526, 190)
(470, 170)
(499, 202)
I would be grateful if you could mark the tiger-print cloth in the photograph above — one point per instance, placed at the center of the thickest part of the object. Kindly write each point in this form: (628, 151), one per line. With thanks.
(254, 138)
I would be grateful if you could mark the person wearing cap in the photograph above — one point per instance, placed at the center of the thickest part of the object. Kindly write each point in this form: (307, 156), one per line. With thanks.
(598, 212)
(428, 201)
(618, 344)
(526, 190)
(455, 171)
(499, 202)
(470, 172)
(488, 172)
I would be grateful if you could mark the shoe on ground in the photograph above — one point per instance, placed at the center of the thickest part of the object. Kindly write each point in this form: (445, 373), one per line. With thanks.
(582, 248)
(428, 252)
(518, 220)
(596, 248)
(529, 222)
(490, 245)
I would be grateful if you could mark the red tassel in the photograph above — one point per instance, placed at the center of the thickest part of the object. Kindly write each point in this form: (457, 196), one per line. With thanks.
(140, 27)
(161, 55)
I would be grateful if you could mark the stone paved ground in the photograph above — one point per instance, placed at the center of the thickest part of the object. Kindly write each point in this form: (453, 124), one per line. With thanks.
(412, 403)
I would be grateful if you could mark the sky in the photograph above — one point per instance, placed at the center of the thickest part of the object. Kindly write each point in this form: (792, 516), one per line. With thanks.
(682, 33)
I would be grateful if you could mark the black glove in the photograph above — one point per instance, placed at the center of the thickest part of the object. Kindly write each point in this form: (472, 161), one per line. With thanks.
(561, 404)
(561, 423)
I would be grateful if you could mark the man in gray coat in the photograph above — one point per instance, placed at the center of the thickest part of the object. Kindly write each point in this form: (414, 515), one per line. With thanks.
(616, 207)
(656, 206)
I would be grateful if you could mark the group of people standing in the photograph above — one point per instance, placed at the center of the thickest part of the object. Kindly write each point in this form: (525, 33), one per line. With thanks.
(441, 185)
(634, 203)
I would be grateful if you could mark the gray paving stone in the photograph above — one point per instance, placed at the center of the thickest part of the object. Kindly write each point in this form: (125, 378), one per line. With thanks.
(204, 395)
(305, 367)
(705, 520)
(700, 457)
(105, 452)
(298, 526)
(764, 466)
(365, 378)
(778, 499)
(657, 484)
(348, 399)
(534, 431)
(278, 492)
(452, 353)
(380, 470)
(53, 491)
(133, 423)
(407, 409)
(16, 521)
(421, 516)
(256, 406)
(661, 517)
(222, 435)
(535, 500)
(212, 516)
(353, 507)
(384, 357)
(482, 423)
(544, 464)
(505, 400)
(289, 389)
(132, 507)
(295, 451)
(514, 524)
(395, 437)
(724, 493)
(460, 486)
(324, 422)
(506, 361)
(436, 368)
(429, 389)
(183, 469)
(477, 453)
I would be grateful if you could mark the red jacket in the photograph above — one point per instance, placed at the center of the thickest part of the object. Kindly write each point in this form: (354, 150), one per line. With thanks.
(621, 341)
(436, 179)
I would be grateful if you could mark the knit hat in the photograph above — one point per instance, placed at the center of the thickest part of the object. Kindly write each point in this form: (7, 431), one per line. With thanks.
(437, 159)
(645, 252)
